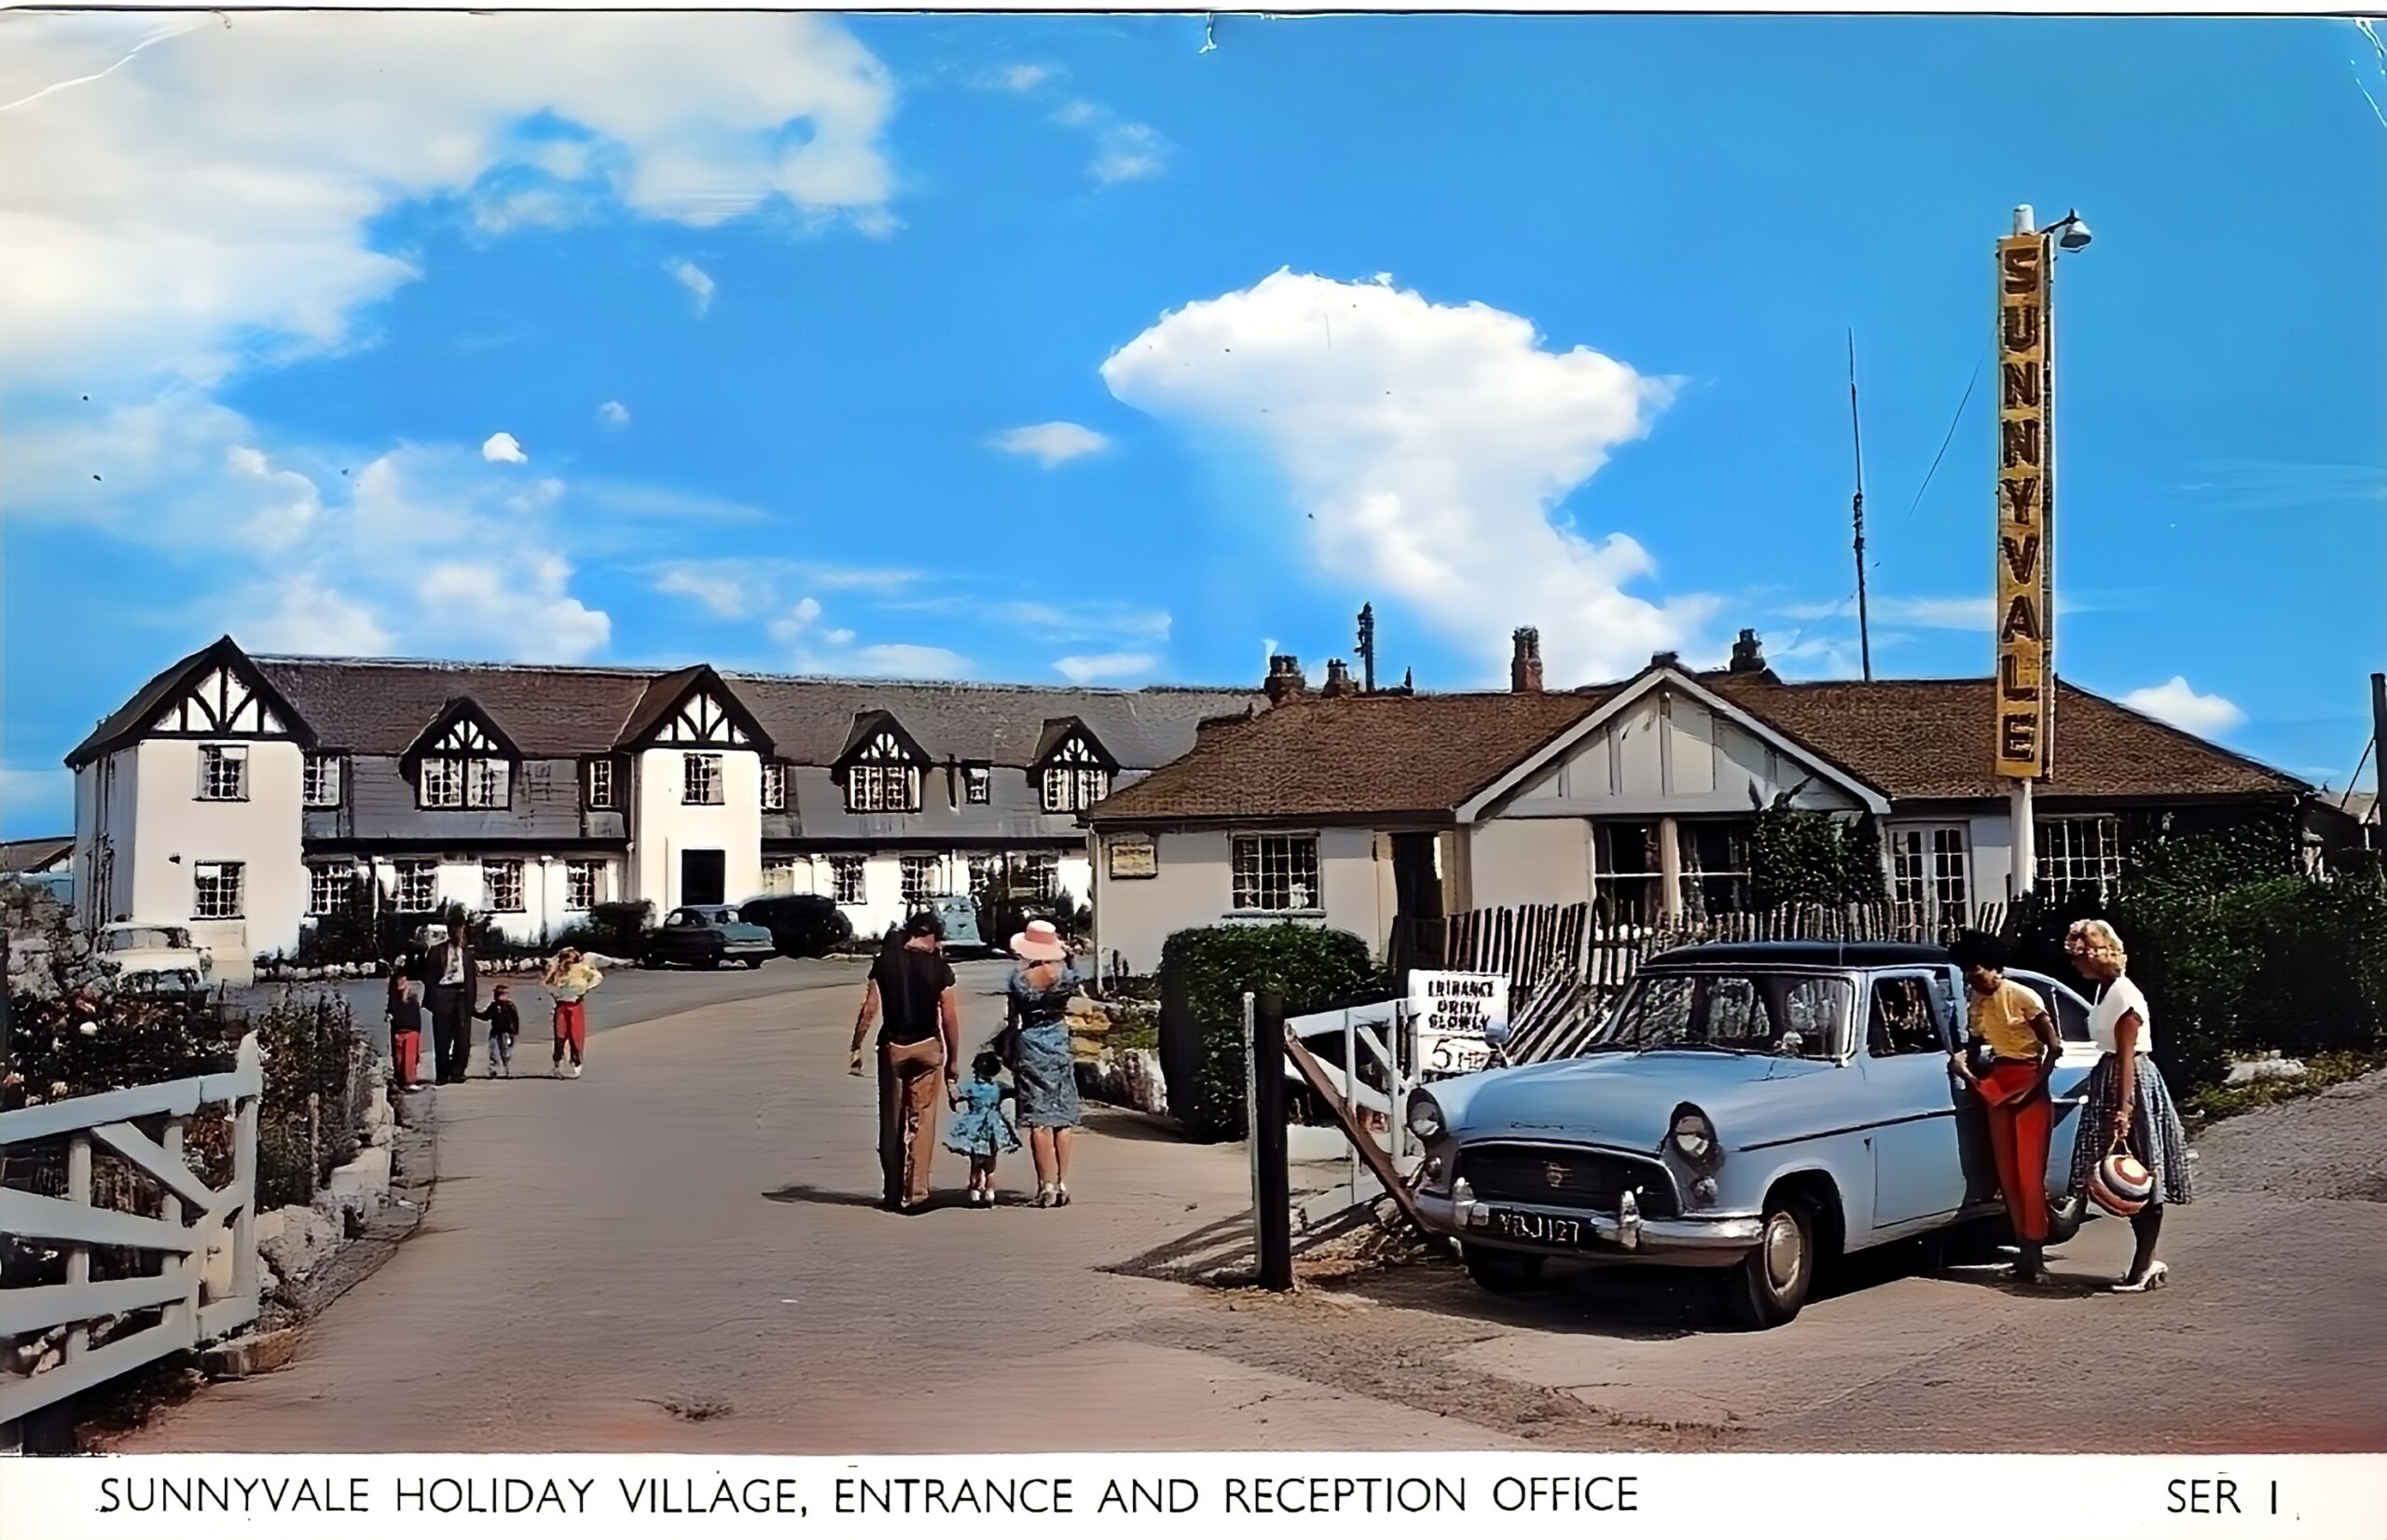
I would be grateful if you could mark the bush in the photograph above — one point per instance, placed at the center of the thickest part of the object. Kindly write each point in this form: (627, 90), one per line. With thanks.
(1800, 855)
(1203, 975)
(619, 924)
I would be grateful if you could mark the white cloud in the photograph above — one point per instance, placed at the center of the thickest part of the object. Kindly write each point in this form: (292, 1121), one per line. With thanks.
(1051, 443)
(1085, 669)
(799, 619)
(909, 660)
(1129, 152)
(2176, 702)
(613, 414)
(1024, 77)
(721, 588)
(161, 214)
(503, 449)
(304, 614)
(697, 282)
(1430, 446)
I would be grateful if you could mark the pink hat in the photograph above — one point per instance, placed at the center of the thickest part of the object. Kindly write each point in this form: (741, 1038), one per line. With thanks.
(1039, 942)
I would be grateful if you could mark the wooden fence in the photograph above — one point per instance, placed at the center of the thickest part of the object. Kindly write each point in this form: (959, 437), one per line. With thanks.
(118, 1324)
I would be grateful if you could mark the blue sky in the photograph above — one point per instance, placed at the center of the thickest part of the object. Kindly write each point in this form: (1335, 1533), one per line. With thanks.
(1024, 348)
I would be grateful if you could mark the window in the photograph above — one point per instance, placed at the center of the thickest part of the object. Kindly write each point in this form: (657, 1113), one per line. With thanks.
(449, 780)
(502, 887)
(1624, 874)
(1042, 874)
(418, 886)
(919, 879)
(580, 880)
(1715, 867)
(2079, 855)
(322, 780)
(1275, 871)
(1786, 1015)
(779, 874)
(215, 890)
(977, 784)
(488, 783)
(774, 786)
(598, 780)
(1931, 878)
(443, 783)
(1074, 779)
(882, 778)
(700, 780)
(845, 879)
(224, 772)
(1905, 1019)
(328, 888)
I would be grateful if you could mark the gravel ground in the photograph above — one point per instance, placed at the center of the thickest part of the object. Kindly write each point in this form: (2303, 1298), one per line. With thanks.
(2333, 1144)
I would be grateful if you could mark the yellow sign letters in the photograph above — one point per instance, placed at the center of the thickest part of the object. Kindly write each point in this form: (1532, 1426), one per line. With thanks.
(2025, 689)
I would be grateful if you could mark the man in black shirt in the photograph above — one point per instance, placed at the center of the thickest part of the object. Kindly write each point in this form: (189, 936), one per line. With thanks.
(922, 1036)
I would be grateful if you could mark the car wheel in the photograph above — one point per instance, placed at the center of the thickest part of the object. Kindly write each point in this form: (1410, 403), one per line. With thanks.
(1770, 1286)
(1504, 1271)
(755, 962)
(652, 960)
(711, 962)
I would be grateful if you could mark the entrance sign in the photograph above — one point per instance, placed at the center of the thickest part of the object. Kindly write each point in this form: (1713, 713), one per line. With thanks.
(2025, 686)
(1133, 855)
(1449, 1013)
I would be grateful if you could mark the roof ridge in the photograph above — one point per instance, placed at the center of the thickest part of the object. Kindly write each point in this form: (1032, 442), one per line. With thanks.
(654, 671)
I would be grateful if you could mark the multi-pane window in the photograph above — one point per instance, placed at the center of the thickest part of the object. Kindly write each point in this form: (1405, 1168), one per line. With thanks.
(1931, 877)
(328, 888)
(502, 887)
(1275, 871)
(700, 780)
(597, 779)
(2078, 856)
(580, 880)
(418, 886)
(224, 772)
(1624, 874)
(845, 879)
(488, 783)
(1041, 873)
(919, 879)
(215, 890)
(1075, 779)
(449, 781)
(1715, 867)
(443, 783)
(779, 874)
(977, 784)
(322, 780)
(882, 778)
(774, 786)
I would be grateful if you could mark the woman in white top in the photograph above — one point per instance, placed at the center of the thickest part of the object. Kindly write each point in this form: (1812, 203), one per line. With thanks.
(2128, 1105)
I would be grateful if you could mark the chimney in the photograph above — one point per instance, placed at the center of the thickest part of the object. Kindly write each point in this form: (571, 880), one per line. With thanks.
(1748, 655)
(1666, 660)
(1284, 681)
(1525, 663)
(1338, 679)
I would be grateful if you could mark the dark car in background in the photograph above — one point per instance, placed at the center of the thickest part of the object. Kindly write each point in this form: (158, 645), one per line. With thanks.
(706, 935)
(801, 925)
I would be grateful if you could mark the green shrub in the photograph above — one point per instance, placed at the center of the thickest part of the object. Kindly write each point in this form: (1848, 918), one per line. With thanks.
(1209, 970)
(1800, 855)
(619, 924)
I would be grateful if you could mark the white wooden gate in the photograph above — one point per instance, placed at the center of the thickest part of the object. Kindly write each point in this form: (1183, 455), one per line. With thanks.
(191, 1220)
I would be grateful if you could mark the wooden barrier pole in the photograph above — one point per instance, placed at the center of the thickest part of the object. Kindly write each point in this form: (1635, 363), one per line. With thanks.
(1272, 1195)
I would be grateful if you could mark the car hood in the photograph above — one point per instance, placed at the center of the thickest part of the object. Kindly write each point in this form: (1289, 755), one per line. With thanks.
(150, 959)
(745, 933)
(1624, 1100)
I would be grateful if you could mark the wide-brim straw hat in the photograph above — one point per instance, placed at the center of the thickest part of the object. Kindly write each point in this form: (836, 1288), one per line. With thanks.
(1039, 942)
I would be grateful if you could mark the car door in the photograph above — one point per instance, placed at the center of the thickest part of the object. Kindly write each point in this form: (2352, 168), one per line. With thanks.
(1914, 1102)
(678, 938)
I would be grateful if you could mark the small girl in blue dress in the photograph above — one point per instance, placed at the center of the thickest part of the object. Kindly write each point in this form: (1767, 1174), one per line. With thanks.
(979, 1129)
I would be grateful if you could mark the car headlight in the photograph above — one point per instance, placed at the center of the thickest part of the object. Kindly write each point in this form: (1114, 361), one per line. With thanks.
(1694, 1137)
(1425, 1117)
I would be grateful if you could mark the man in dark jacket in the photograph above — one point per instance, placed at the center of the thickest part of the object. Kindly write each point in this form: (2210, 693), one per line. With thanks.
(450, 987)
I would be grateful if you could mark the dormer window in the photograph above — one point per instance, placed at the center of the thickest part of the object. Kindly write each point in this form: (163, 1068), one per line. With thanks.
(1074, 777)
(977, 784)
(464, 765)
(774, 786)
(882, 778)
(597, 785)
(322, 780)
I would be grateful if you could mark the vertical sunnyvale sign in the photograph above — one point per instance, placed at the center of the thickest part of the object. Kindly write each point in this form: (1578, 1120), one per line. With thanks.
(2025, 684)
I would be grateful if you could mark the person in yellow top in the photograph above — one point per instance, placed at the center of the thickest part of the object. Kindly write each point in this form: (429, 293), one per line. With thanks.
(2012, 1024)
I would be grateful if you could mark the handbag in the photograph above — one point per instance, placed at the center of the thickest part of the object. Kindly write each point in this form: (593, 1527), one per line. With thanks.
(2119, 1184)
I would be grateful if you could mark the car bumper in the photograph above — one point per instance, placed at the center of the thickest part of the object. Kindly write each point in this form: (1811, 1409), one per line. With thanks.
(1716, 1239)
(751, 949)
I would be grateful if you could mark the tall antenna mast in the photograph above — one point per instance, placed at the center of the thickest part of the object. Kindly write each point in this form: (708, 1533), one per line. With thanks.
(1367, 648)
(1857, 505)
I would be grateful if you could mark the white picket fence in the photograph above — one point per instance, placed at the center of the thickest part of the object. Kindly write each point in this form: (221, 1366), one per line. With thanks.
(143, 1126)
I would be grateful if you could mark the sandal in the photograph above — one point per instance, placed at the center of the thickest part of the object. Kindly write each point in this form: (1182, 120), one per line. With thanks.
(1060, 1194)
(2156, 1276)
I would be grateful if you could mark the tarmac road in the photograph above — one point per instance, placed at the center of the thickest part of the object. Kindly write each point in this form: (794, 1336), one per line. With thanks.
(678, 1251)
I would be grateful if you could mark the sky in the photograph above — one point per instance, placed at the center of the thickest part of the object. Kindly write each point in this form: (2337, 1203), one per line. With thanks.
(1124, 349)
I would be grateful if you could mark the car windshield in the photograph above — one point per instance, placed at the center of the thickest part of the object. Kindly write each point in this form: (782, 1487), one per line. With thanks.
(1783, 1015)
(141, 938)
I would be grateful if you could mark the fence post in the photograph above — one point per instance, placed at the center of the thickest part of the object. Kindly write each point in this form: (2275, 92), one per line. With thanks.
(78, 1256)
(1272, 1195)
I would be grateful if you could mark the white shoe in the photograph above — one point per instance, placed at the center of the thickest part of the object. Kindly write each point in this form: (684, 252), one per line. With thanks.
(2156, 1277)
(573, 1074)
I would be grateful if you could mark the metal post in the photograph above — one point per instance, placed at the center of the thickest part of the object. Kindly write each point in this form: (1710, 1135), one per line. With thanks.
(1272, 1191)
(2378, 752)
(2024, 844)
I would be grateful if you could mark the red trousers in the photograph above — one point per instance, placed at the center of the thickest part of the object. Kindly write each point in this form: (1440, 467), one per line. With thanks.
(571, 1032)
(2017, 1140)
(406, 1052)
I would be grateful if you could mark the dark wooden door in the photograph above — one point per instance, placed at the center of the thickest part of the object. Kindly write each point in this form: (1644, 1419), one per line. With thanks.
(703, 876)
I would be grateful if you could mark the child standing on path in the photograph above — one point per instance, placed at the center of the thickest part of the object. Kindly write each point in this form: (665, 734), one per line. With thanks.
(504, 1025)
(569, 978)
(979, 1129)
(405, 1032)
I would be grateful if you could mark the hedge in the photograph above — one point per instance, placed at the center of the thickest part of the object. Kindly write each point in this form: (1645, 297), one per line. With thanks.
(1203, 975)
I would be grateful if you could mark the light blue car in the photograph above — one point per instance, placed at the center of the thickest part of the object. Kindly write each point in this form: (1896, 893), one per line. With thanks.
(1760, 1106)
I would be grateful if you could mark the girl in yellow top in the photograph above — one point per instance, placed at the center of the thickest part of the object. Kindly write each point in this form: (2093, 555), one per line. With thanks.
(2023, 1045)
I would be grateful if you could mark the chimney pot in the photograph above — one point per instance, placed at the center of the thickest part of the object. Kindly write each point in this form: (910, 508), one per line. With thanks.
(1338, 678)
(1285, 681)
(1524, 662)
(1749, 653)
(1666, 660)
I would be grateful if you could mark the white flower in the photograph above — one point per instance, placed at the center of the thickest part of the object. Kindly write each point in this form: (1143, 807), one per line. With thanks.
(90, 1029)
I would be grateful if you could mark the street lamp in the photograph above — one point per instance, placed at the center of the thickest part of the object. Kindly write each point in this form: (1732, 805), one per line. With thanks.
(2075, 232)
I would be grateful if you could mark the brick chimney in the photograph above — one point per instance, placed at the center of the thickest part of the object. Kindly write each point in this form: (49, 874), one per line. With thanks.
(1748, 655)
(1338, 679)
(1284, 682)
(1525, 663)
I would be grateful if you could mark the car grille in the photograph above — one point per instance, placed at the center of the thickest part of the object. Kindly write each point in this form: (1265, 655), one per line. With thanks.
(1565, 1178)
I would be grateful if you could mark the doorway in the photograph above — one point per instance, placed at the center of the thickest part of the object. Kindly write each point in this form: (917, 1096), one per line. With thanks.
(704, 876)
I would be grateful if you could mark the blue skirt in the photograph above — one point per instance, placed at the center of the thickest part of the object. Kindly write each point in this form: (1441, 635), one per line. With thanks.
(1044, 1077)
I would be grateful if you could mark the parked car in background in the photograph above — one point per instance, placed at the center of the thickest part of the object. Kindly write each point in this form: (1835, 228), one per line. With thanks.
(802, 925)
(132, 946)
(706, 936)
(1759, 1108)
(959, 914)
(180, 985)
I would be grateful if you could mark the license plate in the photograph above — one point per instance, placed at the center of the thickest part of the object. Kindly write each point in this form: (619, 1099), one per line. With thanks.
(1546, 1229)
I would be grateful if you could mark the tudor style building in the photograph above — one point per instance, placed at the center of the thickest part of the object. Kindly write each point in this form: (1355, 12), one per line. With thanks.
(241, 795)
